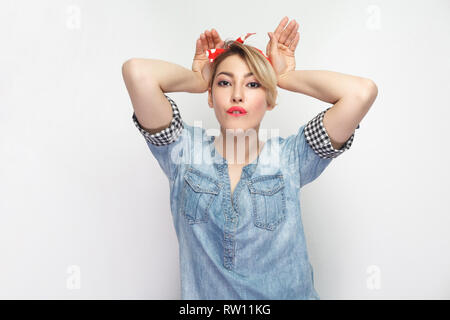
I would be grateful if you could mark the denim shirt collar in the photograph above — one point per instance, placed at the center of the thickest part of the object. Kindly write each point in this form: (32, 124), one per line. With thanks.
(220, 163)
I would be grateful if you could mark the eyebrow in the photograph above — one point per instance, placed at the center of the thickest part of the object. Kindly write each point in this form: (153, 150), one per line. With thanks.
(232, 75)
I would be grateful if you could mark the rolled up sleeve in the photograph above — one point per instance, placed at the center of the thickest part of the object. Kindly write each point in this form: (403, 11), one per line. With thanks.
(310, 150)
(167, 135)
(319, 140)
(167, 144)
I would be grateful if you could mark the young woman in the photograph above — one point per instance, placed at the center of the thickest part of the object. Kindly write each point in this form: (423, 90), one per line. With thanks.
(235, 199)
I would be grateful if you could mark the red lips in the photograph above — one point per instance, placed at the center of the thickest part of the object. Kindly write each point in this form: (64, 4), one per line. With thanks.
(236, 108)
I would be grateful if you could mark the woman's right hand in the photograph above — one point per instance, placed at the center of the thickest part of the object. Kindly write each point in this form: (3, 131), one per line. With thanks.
(201, 65)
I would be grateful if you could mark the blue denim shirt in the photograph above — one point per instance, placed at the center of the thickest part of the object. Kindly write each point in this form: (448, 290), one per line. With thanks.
(249, 244)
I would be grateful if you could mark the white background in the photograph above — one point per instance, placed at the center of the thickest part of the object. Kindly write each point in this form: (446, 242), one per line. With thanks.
(84, 206)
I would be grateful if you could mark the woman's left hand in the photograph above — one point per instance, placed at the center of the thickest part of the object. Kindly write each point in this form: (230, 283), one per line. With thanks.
(282, 45)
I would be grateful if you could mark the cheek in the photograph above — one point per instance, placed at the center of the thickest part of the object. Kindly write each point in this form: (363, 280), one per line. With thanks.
(260, 103)
(259, 96)
(219, 97)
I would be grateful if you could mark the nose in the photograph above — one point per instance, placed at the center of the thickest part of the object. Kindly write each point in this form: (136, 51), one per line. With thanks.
(237, 99)
(237, 95)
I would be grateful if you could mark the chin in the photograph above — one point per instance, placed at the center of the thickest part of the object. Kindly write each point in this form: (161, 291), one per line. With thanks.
(241, 126)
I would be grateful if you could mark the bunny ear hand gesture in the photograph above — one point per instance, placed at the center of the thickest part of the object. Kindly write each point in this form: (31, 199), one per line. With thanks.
(281, 47)
(201, 65)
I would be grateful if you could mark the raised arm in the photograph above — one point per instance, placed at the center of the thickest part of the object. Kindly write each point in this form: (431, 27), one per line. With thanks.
(148, 79)
(351, 96)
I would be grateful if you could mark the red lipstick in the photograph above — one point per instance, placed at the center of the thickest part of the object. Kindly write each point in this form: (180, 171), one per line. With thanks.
(241, 111)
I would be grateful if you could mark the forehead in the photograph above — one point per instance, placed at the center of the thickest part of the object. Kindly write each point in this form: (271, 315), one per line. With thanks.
(234, 64)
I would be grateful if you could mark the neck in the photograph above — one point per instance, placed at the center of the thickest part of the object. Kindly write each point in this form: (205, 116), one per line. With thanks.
(238, 148)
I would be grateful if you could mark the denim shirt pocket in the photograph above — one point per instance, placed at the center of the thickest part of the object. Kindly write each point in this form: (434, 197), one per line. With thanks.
(269, 200)
(199, 192)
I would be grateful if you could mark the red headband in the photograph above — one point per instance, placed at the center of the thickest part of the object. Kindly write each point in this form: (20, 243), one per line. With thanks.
(214, 53)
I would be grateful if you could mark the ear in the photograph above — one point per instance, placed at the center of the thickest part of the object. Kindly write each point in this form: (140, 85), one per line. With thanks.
(270, 108)
(210, 98)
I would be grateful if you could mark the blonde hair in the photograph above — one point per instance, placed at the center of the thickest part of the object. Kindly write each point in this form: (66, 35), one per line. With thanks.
(257, 63)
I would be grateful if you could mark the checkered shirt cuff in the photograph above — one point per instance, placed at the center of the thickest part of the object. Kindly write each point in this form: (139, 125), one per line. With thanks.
(165, 136)
(317, 137)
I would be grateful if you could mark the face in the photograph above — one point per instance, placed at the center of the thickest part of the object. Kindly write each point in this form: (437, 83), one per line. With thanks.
(237, 89)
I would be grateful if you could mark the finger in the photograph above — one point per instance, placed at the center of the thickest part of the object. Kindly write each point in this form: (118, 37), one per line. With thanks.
(198, 47)
(210, 39)
(281, 26)
(204, 42)
(293, 45)
(273, 44)
(286, 32)
(292, 35)
(216, 39)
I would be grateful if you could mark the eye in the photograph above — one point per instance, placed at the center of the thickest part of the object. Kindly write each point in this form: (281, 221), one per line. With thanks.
(256, 83)
(219, 83)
